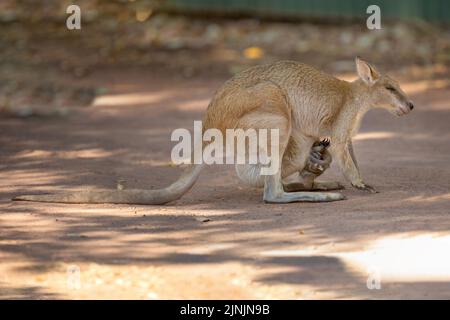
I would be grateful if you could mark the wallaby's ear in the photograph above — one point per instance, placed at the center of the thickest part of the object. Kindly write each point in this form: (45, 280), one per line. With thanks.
(366, 72)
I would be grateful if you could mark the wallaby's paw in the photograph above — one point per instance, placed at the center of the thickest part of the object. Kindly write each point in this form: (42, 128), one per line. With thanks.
(365, 187)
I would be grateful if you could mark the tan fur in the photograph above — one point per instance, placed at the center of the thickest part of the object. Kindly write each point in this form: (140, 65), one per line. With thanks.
(304, 104)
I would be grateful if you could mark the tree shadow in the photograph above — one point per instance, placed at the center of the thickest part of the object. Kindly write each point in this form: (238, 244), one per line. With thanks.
(25, 293)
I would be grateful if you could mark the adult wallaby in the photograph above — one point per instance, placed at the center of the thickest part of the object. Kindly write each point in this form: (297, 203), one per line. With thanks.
(304, 104)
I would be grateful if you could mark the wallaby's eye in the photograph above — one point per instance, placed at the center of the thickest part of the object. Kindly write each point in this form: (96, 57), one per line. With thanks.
(390, 88)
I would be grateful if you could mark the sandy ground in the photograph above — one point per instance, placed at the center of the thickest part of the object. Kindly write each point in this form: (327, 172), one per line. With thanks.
(219, 240)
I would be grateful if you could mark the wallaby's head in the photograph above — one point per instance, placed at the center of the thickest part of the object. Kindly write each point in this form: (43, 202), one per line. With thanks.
(384, 91)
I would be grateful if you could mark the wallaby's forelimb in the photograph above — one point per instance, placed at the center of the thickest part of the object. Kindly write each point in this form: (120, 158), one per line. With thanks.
(136, 196)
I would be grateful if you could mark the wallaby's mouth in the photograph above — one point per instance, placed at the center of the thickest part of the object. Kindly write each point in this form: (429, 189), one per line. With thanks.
(402, 110)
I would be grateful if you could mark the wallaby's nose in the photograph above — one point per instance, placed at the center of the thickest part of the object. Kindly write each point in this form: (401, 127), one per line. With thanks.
(411, 106)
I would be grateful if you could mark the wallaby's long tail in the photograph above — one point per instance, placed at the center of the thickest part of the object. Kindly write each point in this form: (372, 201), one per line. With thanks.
(132, 196)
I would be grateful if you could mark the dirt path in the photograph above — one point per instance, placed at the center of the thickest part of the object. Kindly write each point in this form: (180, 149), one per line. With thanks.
(220, 240)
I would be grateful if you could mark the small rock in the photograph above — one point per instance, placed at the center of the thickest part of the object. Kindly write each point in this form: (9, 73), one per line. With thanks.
(121, 184)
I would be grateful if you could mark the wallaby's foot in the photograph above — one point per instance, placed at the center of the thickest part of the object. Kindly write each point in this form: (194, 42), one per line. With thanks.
(288, 197)
(365, 187)
(315, 186)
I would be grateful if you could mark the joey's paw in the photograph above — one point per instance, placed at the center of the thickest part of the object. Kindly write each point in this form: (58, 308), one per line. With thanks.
(320, 159)
(365, 187)
(318, 168)
(325, 143)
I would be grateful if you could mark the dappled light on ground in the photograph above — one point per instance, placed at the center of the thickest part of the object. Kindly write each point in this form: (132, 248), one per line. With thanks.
(406, 258)
(129, 99)
(440, 197)
(402, 258)
(374, 135)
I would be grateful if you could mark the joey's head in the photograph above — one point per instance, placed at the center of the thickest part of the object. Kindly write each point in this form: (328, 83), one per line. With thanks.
(383, 91)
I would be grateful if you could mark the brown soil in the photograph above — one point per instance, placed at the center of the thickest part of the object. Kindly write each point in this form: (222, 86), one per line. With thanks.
(219, 240)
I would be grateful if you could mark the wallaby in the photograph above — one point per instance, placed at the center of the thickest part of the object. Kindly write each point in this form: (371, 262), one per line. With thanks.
(305, 105)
